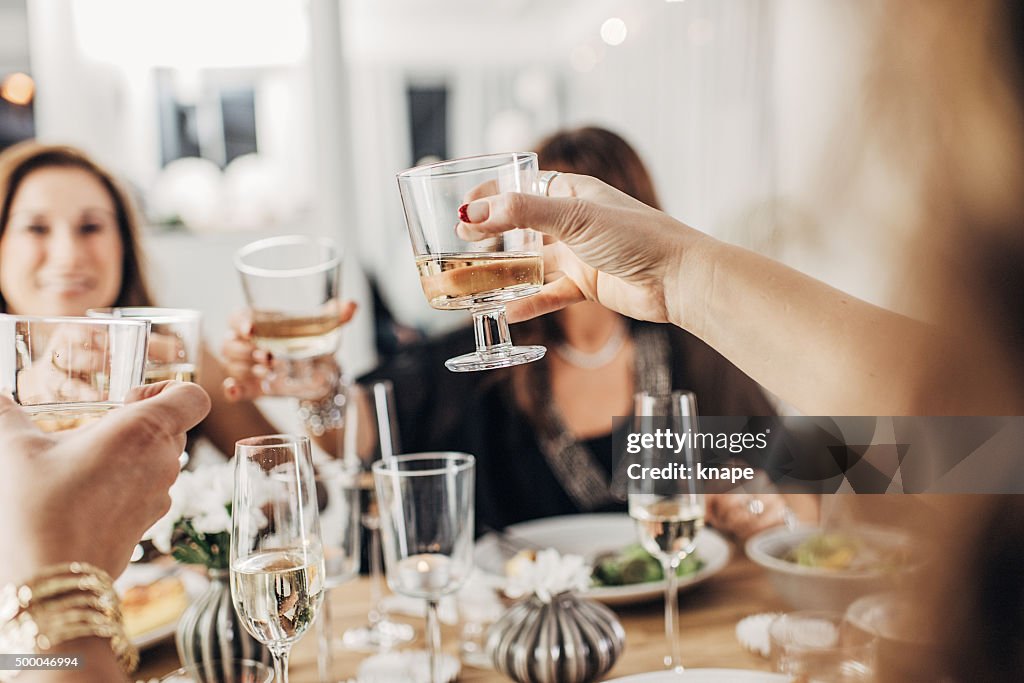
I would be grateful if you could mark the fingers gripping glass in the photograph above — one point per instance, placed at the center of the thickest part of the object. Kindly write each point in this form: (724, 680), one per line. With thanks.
(476, 275)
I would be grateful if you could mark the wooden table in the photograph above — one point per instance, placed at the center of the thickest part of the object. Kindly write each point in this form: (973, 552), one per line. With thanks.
(707, 616)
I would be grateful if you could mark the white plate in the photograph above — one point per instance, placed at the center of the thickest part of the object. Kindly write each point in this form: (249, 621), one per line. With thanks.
(589, 536)
(706, 676)
(137, 573)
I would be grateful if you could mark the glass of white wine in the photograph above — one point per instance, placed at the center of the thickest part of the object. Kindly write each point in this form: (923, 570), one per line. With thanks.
(291, 285)
(66, 372)
(669, 512)
(175, 338)
(426, 522)
(277, 558)
(480, 276)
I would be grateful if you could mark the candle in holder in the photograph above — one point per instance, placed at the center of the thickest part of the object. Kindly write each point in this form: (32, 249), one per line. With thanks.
(424, 575)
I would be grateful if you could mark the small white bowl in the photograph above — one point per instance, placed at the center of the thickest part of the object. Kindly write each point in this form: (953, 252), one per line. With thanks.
(814, 588)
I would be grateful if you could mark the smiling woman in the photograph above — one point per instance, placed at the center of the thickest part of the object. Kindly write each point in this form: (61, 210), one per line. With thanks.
(68, 235)
(69, 241)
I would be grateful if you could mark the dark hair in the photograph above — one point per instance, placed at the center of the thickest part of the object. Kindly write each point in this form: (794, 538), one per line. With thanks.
(19, 161)
(596, 152)
(600, 153)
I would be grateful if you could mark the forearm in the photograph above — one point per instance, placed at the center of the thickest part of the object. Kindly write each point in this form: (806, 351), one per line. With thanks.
(823, 351)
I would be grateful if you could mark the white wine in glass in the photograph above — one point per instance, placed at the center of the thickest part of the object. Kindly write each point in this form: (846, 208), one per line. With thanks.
(277, 559)
(469, 280)
(480, 275)
(279, 593)
(669, 513)
(296, 336)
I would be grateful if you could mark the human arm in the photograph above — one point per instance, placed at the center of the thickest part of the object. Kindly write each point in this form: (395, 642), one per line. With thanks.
(88, 494)
(817, 348)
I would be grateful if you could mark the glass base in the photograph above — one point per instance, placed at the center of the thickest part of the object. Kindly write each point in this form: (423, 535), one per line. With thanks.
(380, 637)
(505, 358)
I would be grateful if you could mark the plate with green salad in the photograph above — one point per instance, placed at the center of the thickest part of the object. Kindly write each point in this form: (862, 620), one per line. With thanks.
(622, 572)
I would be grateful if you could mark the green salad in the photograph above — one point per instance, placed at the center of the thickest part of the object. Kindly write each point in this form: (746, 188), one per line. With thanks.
(846, 552)
(633, 565)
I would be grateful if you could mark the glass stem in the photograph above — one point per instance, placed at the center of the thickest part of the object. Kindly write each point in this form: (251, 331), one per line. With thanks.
(377, 613)
(434, 641)
(669, 566)
(324, 659)
(280, 664)
(490, 327)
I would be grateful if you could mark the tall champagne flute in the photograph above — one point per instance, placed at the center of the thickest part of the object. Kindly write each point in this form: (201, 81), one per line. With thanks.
(277, 559)
(426, 514)
(668, 512)
(66, 372)
(480, 276)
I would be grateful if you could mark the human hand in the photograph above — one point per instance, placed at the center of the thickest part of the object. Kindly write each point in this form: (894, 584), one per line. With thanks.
(742, 515)
(610, 247)
(254, 372)
(89, 494)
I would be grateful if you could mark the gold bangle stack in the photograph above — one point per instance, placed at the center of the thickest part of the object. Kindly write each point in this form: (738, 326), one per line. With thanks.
(63, 602)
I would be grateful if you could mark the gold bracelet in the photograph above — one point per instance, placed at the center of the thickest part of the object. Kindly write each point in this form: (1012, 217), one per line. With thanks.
(63, 602)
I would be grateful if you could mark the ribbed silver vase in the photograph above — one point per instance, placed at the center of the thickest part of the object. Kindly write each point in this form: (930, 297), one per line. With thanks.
(568, 640)
(210, 631)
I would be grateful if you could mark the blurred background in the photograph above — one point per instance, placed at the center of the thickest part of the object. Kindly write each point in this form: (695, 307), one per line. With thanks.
(236, 119)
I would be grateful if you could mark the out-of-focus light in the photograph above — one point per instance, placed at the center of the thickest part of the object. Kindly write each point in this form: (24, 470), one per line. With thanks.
(18, 88)
(584, 58)
(613, 31)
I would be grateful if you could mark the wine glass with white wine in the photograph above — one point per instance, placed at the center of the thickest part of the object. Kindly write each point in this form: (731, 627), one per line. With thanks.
(277, 558)
(291, 286)
(479, 276)
(669, 512)
(66, 372)
(175, 340)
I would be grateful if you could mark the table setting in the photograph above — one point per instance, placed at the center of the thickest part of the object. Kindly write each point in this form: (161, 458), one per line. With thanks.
(275, 534)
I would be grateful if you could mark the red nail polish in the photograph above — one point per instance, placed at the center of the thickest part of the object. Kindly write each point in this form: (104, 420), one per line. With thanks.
(464, 213)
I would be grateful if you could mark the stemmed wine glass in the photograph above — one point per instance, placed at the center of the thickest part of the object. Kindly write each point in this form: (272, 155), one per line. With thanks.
(371, 434)
(483, 275)
(668, 512)
(291, 284)
(277, 559)
(426, 512)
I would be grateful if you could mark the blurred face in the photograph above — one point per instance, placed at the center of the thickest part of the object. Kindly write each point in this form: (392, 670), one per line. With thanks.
(61, 251)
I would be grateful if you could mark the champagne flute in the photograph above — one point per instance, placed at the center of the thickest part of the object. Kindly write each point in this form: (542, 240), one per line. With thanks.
(372, 434)
(277, 559)
(426, 513)
(291, 284)
(481, 276)
(668, 512)
(66, 372)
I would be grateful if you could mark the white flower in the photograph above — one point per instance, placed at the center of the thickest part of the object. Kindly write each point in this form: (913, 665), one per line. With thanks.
(203, 497)
(549, 575)
(161, 532)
